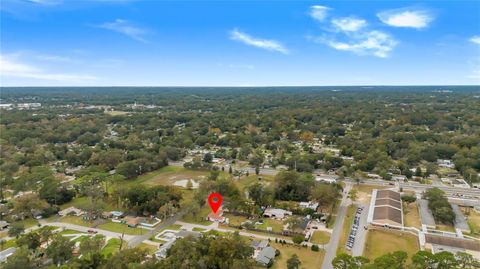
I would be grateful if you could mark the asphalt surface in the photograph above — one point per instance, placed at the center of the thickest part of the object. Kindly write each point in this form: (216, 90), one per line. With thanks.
(361, 236)
(331, 250)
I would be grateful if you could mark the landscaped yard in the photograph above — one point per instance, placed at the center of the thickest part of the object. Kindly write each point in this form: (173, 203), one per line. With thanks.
(196, 229)
(309, 258)
(411, 217)
(112, 246)
(380, 242)
(347, 224)
(121, 228)
(8, 244)
(320, 237)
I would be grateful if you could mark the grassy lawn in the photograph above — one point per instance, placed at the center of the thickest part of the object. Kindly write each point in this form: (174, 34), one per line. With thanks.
(8, 244)
(196, 229)
(273, 236)
(76, 220)
(277, 226)
(149, 248)
(347, 224)
(121, 228)
(76, 202)
(175, 227)
(27, 223)
(235, 220)
(251, 179)
(200, 217)
(69, 231)
(446, 227)
(167, 176)
(411, 217)
(320, 237)
(380, 242)
(112, 246)
(117, 113)
(309, 258)
(473, 219)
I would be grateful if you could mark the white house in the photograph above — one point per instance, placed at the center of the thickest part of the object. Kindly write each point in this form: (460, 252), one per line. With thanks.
(326, 178)
(276, 213)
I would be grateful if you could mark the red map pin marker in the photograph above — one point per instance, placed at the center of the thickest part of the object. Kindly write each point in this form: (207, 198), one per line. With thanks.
(215, 201)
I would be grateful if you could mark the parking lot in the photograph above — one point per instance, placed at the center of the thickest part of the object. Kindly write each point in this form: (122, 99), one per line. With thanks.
(354, 229)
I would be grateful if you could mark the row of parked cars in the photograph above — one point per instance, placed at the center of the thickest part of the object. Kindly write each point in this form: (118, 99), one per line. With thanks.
(353, 231)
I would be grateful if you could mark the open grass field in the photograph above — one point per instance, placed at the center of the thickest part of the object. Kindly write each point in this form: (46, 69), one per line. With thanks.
(245, 181)
(364, 192)
(76, 220)
(196, 229)
(380, 242)
(117, 113)
(111, 247)
(347, 224)
(309, 258)
(121, 228)
(411, 217)
(27, 223)
(167, 176)
(320, 237)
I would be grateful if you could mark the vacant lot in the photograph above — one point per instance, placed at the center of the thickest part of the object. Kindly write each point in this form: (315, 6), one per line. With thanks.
(411, 216)
(320, 237)
(474, 222)
(380, 242)
(167, 176)
(113, 245)
(309, 258)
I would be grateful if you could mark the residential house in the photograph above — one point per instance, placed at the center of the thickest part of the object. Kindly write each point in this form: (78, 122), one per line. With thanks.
(276, 213)
(71, 211)
(132, 222)
(312, 205)
(217, 217)
(3, 225)
(266, 256)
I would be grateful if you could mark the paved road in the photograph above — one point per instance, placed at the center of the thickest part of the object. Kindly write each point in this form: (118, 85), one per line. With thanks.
(6, 253)
(214, 226)
(137, 240)
(331, 250)
(84, 229)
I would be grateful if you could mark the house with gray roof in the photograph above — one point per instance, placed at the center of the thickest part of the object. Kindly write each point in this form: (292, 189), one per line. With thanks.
(266, 256)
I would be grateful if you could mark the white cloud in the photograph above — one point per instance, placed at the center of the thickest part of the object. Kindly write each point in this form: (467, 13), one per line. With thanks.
(406, 18)
(319, 13)
(55, 58)
(374, 43)
(126, 28)
(349, 24)
(475, 39)
(11, 67)
(271, 45)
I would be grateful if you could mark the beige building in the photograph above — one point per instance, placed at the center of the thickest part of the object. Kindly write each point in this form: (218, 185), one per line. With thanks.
(385, 208)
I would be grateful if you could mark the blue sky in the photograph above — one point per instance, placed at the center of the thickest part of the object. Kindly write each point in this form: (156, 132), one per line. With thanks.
(239, 43)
